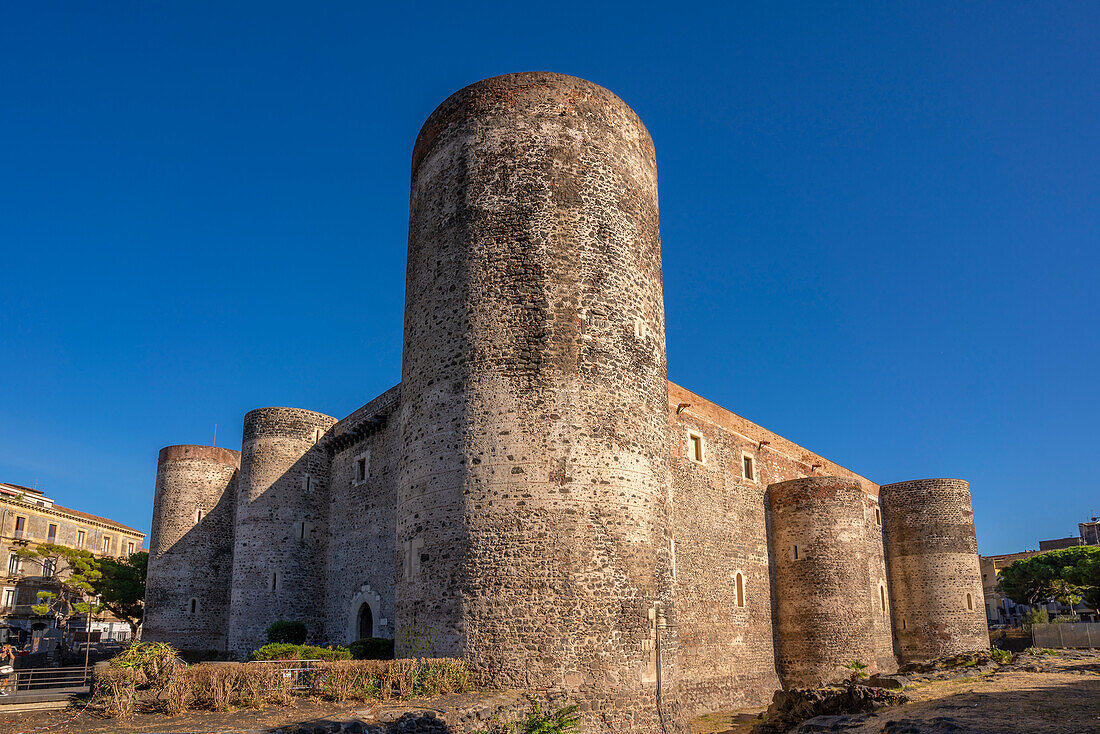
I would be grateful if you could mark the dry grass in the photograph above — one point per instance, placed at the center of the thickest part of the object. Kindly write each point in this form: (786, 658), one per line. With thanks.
(223, 686)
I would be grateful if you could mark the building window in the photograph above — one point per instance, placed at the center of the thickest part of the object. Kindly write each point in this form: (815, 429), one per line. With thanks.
(198, 516)
(796, 552)
(695, 448)
(9, 598)
(301, 529)
(106, 544)
(882, 599)
(48, 567)
(317, 433)
(192, 606)
(903, 622)
(13, 564)
(878, 516)
(307, 483)
(129, 549)
(748, 470)
(740, 580)
(20, 527)
(641, 331)
(51, 533)
(969, 602)
(274, 581)
(80, 534)
(361, 468)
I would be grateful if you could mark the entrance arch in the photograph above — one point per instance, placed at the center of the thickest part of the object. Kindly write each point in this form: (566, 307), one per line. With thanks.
(366, 621)
(377, 625)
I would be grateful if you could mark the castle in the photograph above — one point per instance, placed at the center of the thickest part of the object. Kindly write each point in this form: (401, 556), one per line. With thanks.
(535, 496)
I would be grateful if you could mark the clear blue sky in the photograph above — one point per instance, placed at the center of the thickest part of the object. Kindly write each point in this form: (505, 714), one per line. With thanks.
(880, 224)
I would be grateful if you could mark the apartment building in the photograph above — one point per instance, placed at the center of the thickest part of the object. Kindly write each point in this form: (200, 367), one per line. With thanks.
(29, 518)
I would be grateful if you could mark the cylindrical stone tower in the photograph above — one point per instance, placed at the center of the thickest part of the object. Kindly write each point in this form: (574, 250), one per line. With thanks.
(278, 556)
(819, 551)
(532, 520)
(932, 558)
(191, 547)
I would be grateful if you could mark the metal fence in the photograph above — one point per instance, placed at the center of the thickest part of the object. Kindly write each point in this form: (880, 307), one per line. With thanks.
(38, 679)
(1066, 634)
(297, 674)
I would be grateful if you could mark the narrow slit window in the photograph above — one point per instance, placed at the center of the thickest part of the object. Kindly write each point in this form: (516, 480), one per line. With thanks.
(796, 552)
(969, 602)
(307, 483)
(695, 448)
(274, 580)
(878, 516)
(740, 590)
(882, 598)
(903, 622)
(193, 605)
(198, 516)
(361, 469)
(748, 470)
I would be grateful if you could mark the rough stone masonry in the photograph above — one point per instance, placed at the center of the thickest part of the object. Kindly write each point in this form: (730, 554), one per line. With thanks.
(535, 496)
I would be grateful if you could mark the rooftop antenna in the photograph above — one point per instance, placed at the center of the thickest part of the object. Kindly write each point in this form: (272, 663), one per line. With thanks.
(215, 435)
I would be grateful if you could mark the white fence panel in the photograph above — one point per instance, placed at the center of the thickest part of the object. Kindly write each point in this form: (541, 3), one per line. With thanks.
(1068, 634)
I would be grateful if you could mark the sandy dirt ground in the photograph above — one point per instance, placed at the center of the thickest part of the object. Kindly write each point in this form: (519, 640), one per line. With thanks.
(1045, 694)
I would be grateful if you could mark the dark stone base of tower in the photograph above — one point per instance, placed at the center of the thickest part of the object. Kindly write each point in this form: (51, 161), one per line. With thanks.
(535, 496)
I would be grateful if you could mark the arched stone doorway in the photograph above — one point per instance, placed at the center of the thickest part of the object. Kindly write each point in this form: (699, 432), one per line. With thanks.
(366, 602)
(366, 621)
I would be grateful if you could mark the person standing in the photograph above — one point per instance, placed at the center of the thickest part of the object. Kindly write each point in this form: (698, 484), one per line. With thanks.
(7, 670)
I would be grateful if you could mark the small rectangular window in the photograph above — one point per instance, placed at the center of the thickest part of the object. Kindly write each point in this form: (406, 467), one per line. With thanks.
(361, 469)
(9, 598)
(80, 535)
(129, 549)
(51, 533)
(13, 564)
(106, 544)
(307, 483)
(194, 606)
(198, 516)
(878, 516)
(274, 580)
(796, 552)
(747, 469)
(695, 448)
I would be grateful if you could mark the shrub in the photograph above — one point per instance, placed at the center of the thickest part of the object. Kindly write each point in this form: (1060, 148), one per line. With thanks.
(1034, 617)
(287, 651)
(1002, 657)
(372, 648)
(562, 721)
(115, 691)
(152, 663)
(285, 630)
(859, 670)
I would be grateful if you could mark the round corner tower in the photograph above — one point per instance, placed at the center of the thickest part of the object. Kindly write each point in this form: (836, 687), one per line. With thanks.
(532, 521)
(932, 556)
(820, 562)
(279, 547)
(191, 547)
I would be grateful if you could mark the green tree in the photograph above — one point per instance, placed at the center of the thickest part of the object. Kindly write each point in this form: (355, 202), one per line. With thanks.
(1065, 574)
(72, 572)
(121, 588)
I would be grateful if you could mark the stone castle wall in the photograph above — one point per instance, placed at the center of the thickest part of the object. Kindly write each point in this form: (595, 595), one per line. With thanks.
(281, 534)
(935, 580)
(820, 566)
(534, 393)
(191, 547)
(535, 496)
(360, 567)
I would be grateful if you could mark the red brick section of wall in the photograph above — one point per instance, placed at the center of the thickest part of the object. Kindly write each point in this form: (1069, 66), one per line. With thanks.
(532, 527)
(933, 560)
(191, 558)
(819, 552)
(281, 539)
